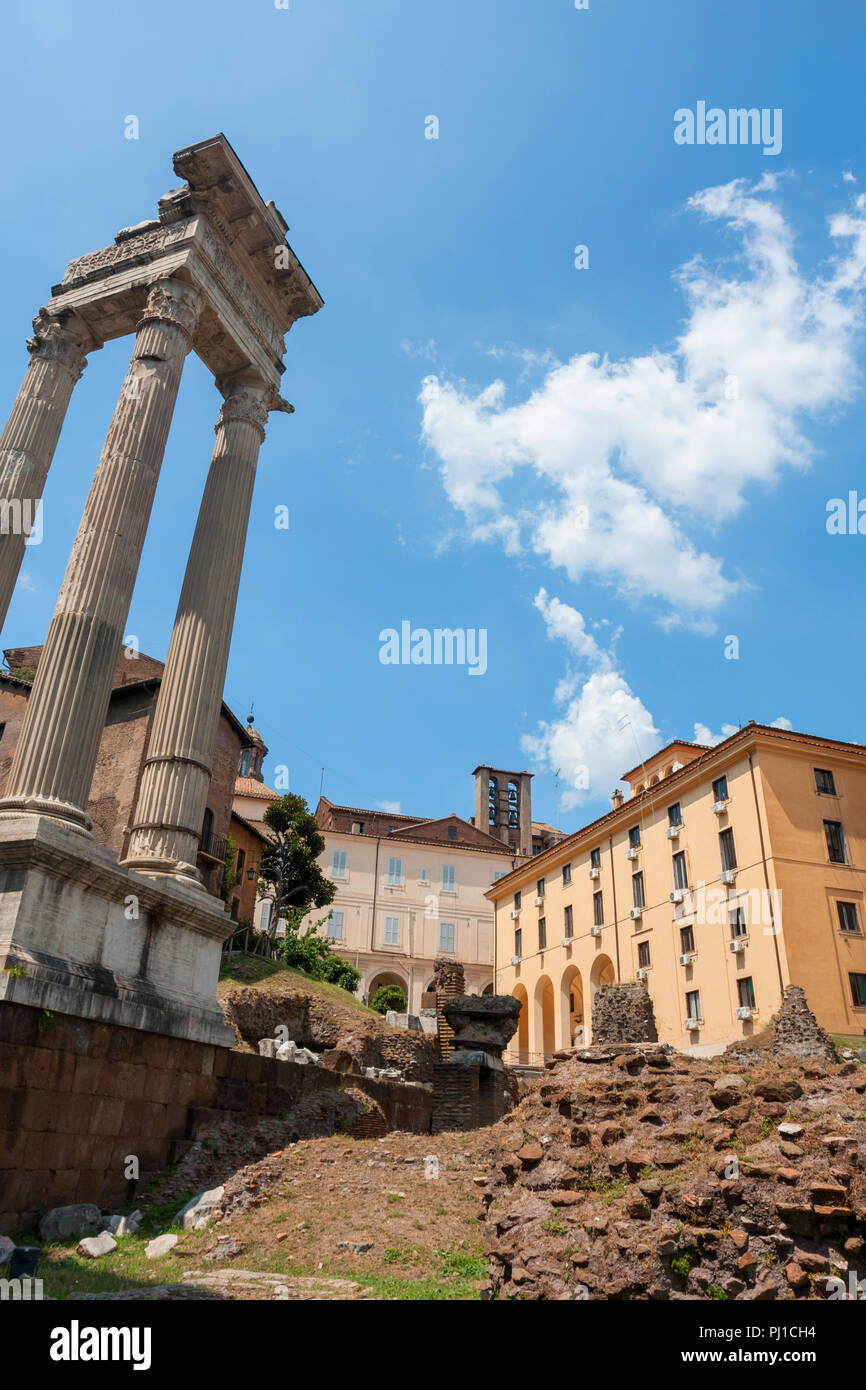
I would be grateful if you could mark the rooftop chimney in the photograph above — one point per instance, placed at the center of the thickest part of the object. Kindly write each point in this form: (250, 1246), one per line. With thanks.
(616, 799)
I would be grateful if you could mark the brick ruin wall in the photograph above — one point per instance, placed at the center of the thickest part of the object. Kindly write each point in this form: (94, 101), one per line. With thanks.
(623, 1013)
(450, 981)
(77, 1097)
(792, 1032)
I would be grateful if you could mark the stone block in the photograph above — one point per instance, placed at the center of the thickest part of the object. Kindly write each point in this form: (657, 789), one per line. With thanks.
(63, 1223)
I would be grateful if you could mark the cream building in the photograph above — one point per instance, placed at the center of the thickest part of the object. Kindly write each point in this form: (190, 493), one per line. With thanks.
(727, 874)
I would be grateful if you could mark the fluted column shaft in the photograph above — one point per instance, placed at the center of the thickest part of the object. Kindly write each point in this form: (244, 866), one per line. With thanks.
(176, 776)
(57, 358)
(56, 753)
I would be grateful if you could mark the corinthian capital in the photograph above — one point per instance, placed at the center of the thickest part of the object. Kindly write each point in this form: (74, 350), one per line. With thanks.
(250, 398)
(173, 301)
(61, 338)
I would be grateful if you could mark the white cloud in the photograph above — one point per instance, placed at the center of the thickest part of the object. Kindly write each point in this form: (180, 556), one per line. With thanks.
(393, 807)
(605, 465)
(25, 581)
(705, 735)
(603, 728)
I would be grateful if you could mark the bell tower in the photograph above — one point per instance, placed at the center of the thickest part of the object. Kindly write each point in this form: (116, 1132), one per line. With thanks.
(503, 806)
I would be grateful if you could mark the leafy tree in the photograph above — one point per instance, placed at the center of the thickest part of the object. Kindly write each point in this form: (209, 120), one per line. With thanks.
(289, 874)
(388, 997)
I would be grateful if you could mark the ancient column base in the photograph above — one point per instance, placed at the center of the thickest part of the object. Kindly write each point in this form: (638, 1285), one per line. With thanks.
(81, 935)
(62, 811)
(164, 868)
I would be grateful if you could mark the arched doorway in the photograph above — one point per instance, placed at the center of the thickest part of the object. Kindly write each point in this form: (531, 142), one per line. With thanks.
(544, 1019)
(386, 977)
(602, 973)
(521, 1041)
(488, 989)
(572, 1024)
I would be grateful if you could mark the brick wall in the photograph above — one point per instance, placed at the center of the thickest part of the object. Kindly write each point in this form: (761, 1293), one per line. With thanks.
(78, 1097)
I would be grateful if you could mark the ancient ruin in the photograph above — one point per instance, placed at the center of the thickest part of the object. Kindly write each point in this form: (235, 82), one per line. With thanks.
(793, 1031)
(137, 942)
(623, 1013)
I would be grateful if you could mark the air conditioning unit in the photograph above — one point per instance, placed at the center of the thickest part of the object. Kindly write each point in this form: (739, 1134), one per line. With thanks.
(633, 852)
(719, 807)
(729, 875)
(538, 900)
(677, 895)
(673, 831)
(635, 913)
(593, 873)
(595, 931)
(745, 1012)
(687, 958)
(566, 941)
(642, 973)
(515, 912)
(691, 1024)
(739, 943)
(515, 960)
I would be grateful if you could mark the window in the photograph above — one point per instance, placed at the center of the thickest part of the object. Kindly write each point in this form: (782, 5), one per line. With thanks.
(335, 926)
(738, 922)
(687, 940)
(825, 782)
(539, 888)
(728, 851)
(446, 936)
(566, 875)
(265, 917)
(395, 873)
(637, 890)
(746, 992)
(675, 814)
(643, 954)
(848, 919)
(693, 1003)
(598, 909)
(720, 789)
(339, 864)
(634, 837)
(569, 922)
(542, 933)
(858, 990)
(207, 831)
(518, 943)
(497, 874)
(835, 841)
(2, 729)
(681, 873)
(452, 832)
(595, 858)
(392, 931)
(517, 899)
(423, 875)
(241, 861)
(449, 878)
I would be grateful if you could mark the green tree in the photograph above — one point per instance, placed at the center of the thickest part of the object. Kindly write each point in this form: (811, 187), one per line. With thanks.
(388, 997)
(314, 954)
(289, 875)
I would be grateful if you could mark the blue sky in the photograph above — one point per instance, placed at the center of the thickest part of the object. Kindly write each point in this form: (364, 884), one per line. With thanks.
(454, 504)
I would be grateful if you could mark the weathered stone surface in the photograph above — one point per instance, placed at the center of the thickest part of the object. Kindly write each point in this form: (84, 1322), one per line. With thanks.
(94, 1247)
(79, 1219)
(199, 1210)
(6, 1248)
(161, 1245)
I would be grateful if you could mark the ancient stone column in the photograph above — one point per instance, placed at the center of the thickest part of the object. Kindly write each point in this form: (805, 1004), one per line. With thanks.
(176, 777)
(58, 351)
(53, 764)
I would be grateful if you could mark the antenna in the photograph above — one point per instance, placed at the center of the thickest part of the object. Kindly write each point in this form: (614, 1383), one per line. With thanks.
(321, 781)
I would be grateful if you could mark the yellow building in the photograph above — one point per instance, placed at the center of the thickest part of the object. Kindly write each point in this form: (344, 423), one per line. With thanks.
(729, 873)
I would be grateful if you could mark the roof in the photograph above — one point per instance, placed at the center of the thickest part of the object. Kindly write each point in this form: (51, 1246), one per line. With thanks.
(368, 811)
(249, 786)
(717, 753)
(259, 830)
(654, 757)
